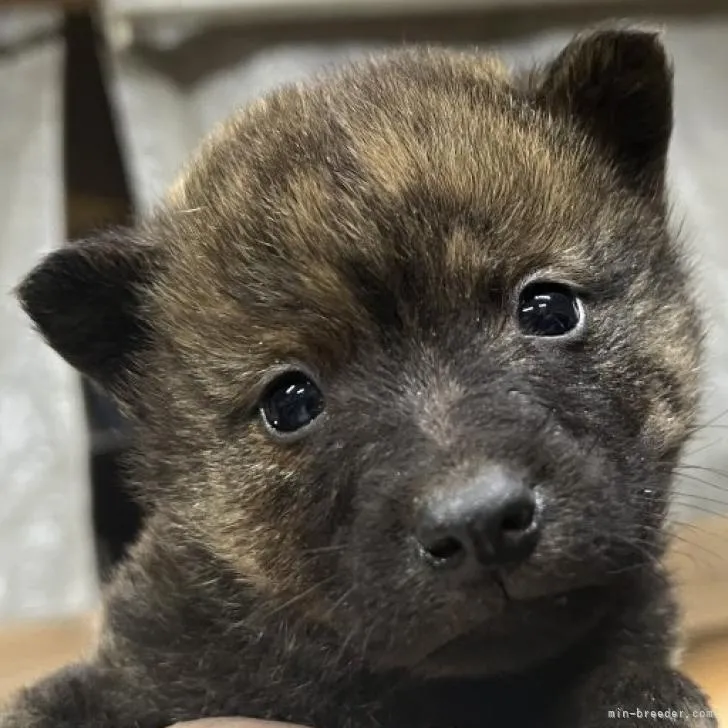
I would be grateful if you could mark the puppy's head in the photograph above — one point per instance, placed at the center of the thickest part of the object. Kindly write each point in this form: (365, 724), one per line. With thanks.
(410, 348)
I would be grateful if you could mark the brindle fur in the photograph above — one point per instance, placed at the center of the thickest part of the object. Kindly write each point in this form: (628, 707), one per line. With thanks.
(374, 227)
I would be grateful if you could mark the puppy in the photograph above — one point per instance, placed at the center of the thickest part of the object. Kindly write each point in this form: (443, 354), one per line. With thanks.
(411, 356)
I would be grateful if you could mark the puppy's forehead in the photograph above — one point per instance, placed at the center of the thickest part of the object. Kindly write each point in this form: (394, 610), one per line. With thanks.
(425, 167)
(427, 122)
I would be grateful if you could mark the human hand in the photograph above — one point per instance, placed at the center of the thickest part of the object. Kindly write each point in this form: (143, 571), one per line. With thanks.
(233, 723)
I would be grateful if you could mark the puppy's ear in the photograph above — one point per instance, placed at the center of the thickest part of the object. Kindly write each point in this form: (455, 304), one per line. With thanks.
(617, 85)
(85, 300)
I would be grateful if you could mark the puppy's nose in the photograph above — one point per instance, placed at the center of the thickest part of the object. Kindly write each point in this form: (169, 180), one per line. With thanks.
(490, 521)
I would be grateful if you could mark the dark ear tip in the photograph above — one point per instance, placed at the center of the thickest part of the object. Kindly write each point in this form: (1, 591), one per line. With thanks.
(55, 279)
(23, 291)
(84, 300)
(616, 82)
(636, 43)
(627, 30)
(87, 267)
(625, 55)
(30, 290)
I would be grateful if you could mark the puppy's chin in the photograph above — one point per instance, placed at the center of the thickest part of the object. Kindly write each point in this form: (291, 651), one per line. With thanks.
(521, 635)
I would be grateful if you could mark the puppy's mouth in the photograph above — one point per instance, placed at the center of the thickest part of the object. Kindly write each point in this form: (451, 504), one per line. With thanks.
(516, 627)
(520, 594)
(561, 598)
(499, 581)
(526, 631)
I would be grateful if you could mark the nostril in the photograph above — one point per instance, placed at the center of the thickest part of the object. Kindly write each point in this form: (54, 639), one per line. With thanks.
(518, 518)
(493, 520)
(444, 549)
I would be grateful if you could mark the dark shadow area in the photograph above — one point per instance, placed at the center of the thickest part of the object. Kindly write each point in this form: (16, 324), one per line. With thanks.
(97, 195)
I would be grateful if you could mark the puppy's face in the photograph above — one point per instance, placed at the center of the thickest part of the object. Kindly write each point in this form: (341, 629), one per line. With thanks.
(410, 349)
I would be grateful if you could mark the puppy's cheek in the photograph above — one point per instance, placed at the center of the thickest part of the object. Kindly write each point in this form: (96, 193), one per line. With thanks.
(381, 557)
(670, 348)
(665, 429)
(388, 575)
(583, 533)
(266, 514)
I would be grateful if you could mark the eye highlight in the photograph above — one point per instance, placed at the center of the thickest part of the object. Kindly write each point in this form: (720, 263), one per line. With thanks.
(290, 403)
(549, 309)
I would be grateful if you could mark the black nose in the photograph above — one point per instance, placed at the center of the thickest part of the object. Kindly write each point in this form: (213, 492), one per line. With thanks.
(490, 521)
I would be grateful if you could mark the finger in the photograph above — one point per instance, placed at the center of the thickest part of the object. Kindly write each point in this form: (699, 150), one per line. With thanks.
(233, 723)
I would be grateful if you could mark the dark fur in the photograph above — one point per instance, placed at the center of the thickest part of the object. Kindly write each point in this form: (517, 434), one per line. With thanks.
(375, 227)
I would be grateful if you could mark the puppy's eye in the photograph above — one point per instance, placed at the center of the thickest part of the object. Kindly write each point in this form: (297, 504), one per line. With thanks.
(549, 309)
(291, 402)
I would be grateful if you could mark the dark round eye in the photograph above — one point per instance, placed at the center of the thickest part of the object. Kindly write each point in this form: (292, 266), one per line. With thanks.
(548, 309)
(291, 402)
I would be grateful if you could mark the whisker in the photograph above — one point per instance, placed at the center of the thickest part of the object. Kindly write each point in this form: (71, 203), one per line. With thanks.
(711, 422)
(694, 545)
(333, 548)
(698, 496)
(706, 446)
(703, 481)
(367, 637)
(338, 603)
(702, 509)
(299, 597)
(701, 428)
(704, 468)
(642, 547)
(696, 528)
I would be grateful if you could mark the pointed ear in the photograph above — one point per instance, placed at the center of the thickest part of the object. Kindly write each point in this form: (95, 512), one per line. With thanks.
(85, 300)
(617, 85)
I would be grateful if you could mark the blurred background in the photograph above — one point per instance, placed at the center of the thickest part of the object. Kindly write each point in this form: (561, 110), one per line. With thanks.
(102, 102)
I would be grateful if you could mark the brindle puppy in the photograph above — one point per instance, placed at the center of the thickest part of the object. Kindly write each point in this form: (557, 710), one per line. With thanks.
(412, 356)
